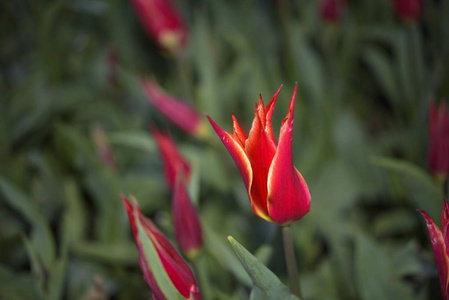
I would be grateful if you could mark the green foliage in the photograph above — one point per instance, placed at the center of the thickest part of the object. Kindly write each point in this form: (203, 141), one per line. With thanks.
(69, 69)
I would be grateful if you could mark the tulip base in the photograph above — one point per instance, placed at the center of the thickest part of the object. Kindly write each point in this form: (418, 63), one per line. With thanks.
(290, 259)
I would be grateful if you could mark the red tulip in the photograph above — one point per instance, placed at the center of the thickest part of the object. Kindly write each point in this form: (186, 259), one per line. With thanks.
(177, 111)
(330, 11)
(408, 10)
(172, 159)
(163, 23)
(188, 232)
(164, 270)
(438, 155)
(276, 190)
(440, 245)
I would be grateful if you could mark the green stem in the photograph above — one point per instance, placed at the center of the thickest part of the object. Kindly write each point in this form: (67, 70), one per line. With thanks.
(184, 73)
(199, 269)
(290, 259)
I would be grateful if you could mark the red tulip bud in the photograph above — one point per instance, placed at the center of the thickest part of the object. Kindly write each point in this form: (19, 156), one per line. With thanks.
(177, 111)
(164, 270)
(172, 159)
(408, 10)
(438, 154)
(440, 246)
(188, 232)
(163, 23)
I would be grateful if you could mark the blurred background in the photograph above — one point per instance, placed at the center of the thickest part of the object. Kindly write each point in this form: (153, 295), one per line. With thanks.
(74, 135)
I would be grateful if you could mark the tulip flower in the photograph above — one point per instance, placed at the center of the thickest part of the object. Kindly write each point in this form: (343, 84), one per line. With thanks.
(177, 111)
(440, 246)
(276, 189)
(188, 232)
(408, 10)
(330, 11)
(163, 23)
(438, 154)
(172, 159)
(164, 270)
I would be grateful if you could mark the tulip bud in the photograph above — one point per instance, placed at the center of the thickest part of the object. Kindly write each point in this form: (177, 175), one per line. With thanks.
(172, 159)
(188, 232)
(440, 242)
(408, 10)
(163, 23)
(438, 153)
(330, 11)
(276, 189)
(164, 270)
(177, 111)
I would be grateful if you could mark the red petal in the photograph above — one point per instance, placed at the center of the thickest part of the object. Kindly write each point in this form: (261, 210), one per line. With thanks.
(438, 154)
(239, 135)
(173, 161)
(288, 194)
(177, 111)
(260, 149)
(187, 225)
(269, 114)
(439, 250)
(237, 153)
(445, 224)
(159, 18)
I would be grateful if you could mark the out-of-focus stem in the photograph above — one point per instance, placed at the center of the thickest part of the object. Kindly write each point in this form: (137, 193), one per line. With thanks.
(290, 259)
(184, 74)
(199, 269)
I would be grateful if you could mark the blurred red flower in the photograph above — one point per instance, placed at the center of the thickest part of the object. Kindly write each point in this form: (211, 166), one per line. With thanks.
(408, 10)
(438, 154)
(176, 110)
(188, 232)
(163, 23)
(331, 10)
(164, 270)
(440, 245)
(173, 161)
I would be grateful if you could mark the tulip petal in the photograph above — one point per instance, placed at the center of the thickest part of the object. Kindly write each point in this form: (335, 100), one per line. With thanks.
(172, 159)
(177, 111)
(188, 233)
(239, 135)
(439, 250)
(260, 149)
(438, 153)
(237, 153)
(288, 194)
(269, 114)
(445, 224)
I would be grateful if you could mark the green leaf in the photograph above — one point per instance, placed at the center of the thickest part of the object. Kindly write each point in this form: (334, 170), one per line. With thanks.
(416, 184)
(375, 277)
(223, 254)
(266, 286)
(112, 253)
(41, 236)
(383, 72)
(75, 218)
(17, 286)
(141, 141)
